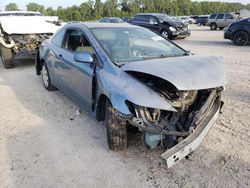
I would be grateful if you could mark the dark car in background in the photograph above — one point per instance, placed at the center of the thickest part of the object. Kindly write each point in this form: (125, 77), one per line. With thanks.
(127, 19)
(239, 32)
(162, 24)
(111, 20)
(201, 20)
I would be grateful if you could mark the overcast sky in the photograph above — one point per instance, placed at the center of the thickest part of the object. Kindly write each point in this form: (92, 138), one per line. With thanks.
(66, 3)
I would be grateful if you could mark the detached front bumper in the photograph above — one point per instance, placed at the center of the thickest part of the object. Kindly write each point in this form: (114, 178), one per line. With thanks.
(189, 144)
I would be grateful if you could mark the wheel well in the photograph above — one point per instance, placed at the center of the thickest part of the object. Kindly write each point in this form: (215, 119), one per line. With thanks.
(241, 31)
(101, 107)
(213, 23)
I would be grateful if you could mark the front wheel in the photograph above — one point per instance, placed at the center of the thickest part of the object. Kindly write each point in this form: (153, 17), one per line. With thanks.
(46, 78)
(213, 26)
(240, 38)
(6, 57)
(116, 128)
(165, 34)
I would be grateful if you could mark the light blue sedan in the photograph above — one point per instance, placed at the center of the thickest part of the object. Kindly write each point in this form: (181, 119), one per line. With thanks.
(125, 75)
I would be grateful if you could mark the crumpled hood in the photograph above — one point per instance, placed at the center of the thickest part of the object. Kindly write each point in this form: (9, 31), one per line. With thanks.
(28, 24)
(186, 72)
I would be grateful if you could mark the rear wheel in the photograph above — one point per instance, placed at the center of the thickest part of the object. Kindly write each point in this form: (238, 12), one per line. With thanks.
(46, 78)
(221, 28)
(6, 57)
(213, 26)
(240, 38)
(116, 128)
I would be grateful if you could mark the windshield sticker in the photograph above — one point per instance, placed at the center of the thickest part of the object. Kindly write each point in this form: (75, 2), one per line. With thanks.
(157, 38)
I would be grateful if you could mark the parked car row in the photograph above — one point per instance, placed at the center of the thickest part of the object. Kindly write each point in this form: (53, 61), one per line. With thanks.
(161, 24)
(112, 69)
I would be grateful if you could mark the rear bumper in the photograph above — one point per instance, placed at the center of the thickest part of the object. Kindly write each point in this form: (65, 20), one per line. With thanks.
(189, 144)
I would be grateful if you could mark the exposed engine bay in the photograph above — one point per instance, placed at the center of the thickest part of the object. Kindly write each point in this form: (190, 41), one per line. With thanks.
(28, 42)
(166, 128)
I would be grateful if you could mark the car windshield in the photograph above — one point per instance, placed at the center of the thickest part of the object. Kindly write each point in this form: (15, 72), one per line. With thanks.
(134, 44)
(165, 18)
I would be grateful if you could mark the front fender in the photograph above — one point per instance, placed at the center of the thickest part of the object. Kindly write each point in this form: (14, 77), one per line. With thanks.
(122, 86)
(118, 102)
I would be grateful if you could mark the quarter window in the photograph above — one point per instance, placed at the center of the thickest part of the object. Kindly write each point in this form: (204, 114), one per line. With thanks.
(229, 16)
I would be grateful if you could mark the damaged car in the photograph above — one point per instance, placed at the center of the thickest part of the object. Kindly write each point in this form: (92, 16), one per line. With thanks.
(23, 32)
(125, 75)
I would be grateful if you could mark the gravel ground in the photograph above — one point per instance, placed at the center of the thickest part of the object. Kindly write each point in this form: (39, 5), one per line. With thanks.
(41, 147)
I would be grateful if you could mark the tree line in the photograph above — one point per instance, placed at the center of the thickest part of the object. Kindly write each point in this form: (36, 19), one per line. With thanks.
(92, 10)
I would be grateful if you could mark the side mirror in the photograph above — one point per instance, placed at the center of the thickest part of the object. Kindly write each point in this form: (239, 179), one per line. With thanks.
(83, 57)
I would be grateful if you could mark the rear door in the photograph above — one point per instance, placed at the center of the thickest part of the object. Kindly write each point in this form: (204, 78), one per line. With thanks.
(220, 21)
(141, 20)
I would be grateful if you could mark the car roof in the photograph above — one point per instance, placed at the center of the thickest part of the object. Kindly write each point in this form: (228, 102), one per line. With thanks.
(105, 25)
(152, 14)
(14, 12)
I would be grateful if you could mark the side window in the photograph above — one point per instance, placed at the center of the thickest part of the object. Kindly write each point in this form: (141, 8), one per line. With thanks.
(212, 16)
(229, 16)
(152, 20)
(76, 41)
(137, 18)
(57, 40)
(142, 18)
(220, 16)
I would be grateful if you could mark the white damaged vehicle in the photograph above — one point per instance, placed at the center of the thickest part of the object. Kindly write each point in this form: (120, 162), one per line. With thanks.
(23, 31)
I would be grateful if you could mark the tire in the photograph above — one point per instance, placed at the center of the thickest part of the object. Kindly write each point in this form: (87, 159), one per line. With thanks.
(46, 78)
(165, 34)
(240, 38)
(213, 26)
(116, 129)
(6, 57)
(221, 28)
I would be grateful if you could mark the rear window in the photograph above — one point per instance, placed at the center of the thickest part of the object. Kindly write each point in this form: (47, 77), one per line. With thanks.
(220, 16)
(213, 16)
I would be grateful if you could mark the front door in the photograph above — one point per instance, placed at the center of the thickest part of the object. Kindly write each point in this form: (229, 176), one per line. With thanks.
(79, 76)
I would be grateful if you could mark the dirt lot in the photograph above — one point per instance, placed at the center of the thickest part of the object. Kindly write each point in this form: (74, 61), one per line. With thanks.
(41, 147)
